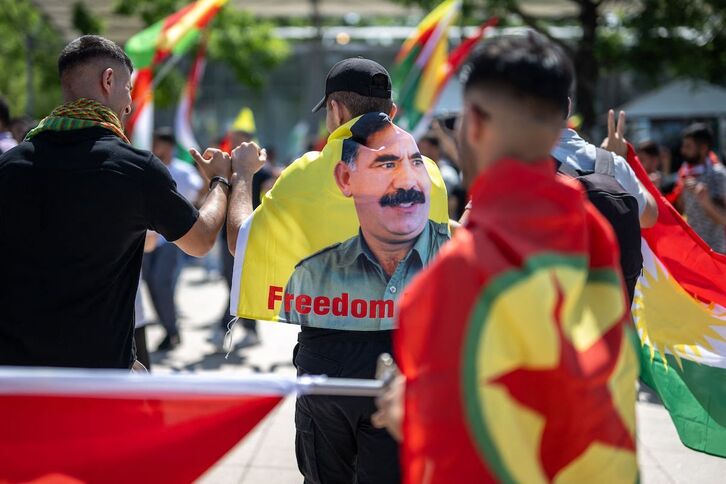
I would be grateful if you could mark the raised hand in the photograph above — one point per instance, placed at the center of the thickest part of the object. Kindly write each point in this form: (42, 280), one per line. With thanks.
(616, 142)
(214, 162)
(248, 159)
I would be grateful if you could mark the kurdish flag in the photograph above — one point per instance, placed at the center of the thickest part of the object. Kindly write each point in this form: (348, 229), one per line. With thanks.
(171, 37)
(416, 66)
(423, 65)
(680, 313)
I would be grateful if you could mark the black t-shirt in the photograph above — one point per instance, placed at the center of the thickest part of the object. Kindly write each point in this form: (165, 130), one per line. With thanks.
(74, 210)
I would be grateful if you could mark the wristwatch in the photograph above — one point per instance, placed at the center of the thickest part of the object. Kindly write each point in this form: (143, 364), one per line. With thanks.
(219, 179)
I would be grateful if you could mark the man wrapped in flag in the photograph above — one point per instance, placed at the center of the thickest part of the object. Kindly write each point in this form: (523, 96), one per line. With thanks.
(512, 343)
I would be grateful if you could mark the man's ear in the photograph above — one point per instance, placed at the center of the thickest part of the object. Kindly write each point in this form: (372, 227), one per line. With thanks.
(474, 128)
(342, 178)
(107, 80)
(394, 110)
(340, 112)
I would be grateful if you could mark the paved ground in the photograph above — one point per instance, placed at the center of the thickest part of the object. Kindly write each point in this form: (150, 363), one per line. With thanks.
(267, 454)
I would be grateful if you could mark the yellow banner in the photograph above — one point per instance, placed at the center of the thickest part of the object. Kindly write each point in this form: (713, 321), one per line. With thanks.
(342, 231)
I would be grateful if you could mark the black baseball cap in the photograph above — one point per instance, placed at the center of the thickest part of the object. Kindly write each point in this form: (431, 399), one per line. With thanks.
(363, 76)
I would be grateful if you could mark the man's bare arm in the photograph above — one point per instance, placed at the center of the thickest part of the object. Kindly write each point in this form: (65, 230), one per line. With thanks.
(247, 159)
(199, 240)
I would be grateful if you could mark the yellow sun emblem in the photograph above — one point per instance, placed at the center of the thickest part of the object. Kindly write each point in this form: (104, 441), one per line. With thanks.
(669, 319)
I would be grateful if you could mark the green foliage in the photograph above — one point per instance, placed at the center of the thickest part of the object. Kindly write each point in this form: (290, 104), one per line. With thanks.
(247, 45)
(84, 21)
(167, 92)
(23, 26)
(679, 38)
(150, 11)
(238, 39)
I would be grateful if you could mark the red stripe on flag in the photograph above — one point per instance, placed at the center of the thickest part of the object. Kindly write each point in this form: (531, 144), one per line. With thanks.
(459, 55)
(698, 269)
(421, 41)
(122, 440)
(140, 96)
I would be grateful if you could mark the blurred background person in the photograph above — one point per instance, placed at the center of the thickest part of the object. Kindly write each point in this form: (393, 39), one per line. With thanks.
(703, 178)
(431, 145)
(650, 156)
(21, 126)
(162, 265)
(7, 141)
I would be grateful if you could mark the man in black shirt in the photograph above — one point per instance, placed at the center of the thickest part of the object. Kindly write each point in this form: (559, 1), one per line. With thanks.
(76, 201)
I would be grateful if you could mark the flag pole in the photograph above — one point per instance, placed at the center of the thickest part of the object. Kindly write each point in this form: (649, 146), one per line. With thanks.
(343, 387)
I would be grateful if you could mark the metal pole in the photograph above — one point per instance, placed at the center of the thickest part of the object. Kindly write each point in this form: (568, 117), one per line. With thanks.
(344, 387)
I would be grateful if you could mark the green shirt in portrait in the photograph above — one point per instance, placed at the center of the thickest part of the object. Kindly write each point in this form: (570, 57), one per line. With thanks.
(344, 287)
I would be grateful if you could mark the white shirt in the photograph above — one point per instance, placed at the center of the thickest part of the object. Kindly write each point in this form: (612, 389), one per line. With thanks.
(188, 181)
(580, 155)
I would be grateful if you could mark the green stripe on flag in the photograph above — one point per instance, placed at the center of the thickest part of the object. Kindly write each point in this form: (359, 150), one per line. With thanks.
(694, 394)
(142, 46)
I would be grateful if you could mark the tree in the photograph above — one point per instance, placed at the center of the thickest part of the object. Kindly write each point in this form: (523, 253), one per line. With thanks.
(655, 37)
(84, 21)
(28, 54)
(679, 38)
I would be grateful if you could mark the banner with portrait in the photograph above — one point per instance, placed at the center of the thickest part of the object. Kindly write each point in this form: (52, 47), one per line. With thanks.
(342, 231)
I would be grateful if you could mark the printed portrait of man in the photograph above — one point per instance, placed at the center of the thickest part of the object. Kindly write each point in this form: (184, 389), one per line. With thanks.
(353, 284)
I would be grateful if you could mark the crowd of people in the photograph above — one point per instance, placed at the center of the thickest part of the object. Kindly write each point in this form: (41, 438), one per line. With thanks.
(84, 216)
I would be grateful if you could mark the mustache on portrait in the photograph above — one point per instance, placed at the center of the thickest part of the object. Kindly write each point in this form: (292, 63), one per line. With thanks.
(402, 196)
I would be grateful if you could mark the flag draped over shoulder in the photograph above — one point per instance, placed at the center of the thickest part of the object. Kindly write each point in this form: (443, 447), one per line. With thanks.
(304, 212)
(171, 37)
(108, 426)
(423, 65)
(513, 343)
(680, 313)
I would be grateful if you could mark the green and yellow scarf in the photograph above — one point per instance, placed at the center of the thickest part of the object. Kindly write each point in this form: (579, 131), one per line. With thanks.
(83, 113)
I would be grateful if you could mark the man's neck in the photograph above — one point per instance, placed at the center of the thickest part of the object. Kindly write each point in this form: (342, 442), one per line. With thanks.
(388, 254)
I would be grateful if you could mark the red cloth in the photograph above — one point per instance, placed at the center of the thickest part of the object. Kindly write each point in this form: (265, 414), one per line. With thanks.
(519, 211)
(121, 440)
(696, 267)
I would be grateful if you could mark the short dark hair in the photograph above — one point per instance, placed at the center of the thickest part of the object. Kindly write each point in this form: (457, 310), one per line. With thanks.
(364, 128)
(166, 134)
(4, 112)
(649, 148)
(700, 133)
(358, 105)
(526, 66)
(90, 47)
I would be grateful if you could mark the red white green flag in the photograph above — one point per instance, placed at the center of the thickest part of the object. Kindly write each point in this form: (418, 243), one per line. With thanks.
(680, 313)
(423, 65)
(171, 37)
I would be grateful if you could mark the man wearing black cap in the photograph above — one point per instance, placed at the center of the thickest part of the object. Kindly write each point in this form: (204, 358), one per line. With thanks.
(335, 440)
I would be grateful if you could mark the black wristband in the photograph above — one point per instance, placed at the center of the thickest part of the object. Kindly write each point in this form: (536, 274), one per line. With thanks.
(221, 180)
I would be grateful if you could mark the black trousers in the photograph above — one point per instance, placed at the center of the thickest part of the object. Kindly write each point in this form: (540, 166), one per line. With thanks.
(335, 441)
(227, 271)
(142, 352)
